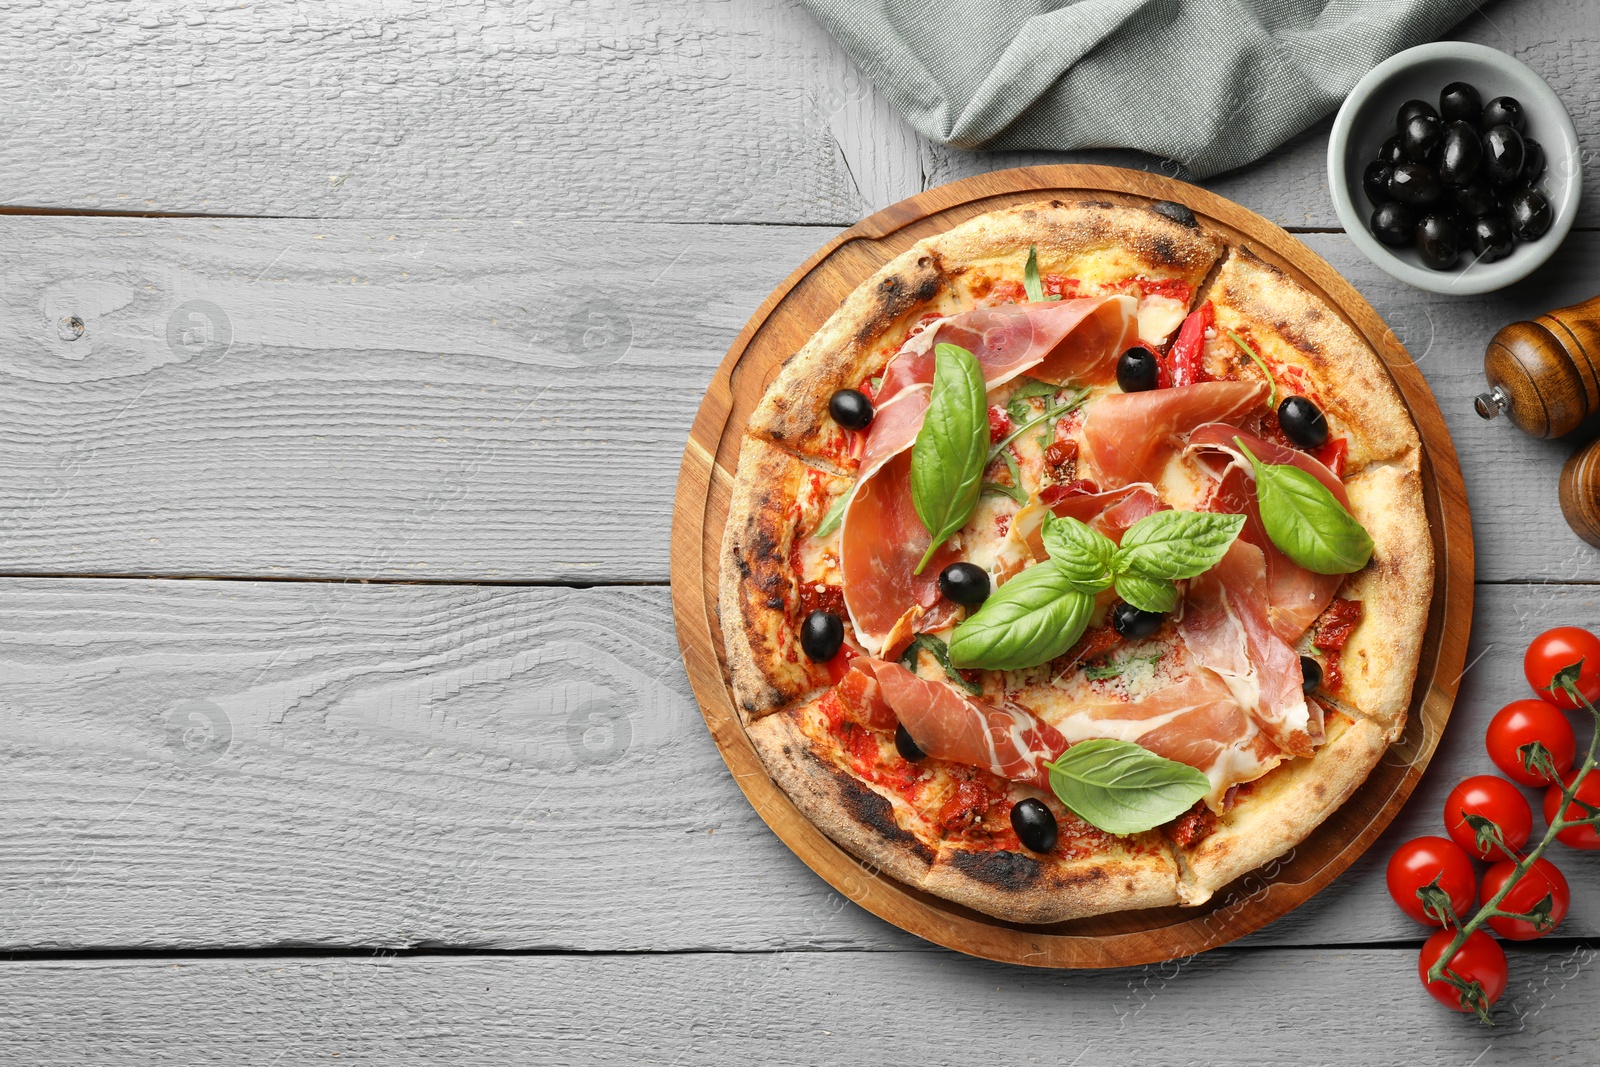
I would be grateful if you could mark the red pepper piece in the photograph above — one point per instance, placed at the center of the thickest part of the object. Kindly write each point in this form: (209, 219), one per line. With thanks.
(1183, 364)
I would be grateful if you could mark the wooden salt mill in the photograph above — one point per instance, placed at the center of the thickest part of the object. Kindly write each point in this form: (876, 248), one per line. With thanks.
(1545, 375)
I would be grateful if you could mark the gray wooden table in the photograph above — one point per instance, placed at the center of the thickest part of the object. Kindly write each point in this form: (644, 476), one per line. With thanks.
(346, 357)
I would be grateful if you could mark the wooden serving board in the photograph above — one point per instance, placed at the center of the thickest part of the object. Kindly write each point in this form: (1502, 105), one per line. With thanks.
(783, 323)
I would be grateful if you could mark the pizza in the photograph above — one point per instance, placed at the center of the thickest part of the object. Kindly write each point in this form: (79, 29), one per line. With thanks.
(1077, 564)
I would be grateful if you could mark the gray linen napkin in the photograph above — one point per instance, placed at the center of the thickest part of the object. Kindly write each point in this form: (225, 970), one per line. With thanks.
(1212, 84)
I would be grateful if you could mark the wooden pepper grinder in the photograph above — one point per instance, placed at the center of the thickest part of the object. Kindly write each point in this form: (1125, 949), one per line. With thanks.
(1545, 375)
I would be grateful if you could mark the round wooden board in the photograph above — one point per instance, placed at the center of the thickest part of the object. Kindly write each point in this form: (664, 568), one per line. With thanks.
(784, 322)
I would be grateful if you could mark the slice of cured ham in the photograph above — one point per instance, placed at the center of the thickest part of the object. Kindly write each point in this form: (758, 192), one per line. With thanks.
(1128, 437)
(1296, 595)
(1226, 629)
(946, 724)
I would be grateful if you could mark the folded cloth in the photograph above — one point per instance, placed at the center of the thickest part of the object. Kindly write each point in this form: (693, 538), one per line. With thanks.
(1211, 84)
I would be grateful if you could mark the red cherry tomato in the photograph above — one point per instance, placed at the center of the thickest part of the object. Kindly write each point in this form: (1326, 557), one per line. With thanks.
(1542, 879)
(1480, 959)
(1419, 862)
(1587, 837)
(1495, 799)
(1523, 722)
(1555, 649)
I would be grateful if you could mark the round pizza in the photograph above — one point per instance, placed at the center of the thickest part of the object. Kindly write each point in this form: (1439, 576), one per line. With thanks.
(1077, 564)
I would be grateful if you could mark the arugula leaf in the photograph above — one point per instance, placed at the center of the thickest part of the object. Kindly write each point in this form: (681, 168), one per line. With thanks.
(1147, 594)
(1122, 788)
(1083, 554)
(1305, 520)
(1014, 490)
(1031, 619)
(830, 522)
(941, 653)
(1176, 544)
(1261, 364)
(1030, 278)
(1050, 413)
(1018, 407)
(1115, 668)
(951, 449)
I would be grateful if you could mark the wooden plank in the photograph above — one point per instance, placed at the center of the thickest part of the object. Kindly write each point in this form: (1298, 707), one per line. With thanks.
(222, 764)
(483, 401)
(618, 109)
(1350, 1006)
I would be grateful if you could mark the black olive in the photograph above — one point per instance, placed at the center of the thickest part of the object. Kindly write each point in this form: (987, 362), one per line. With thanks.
(1460, 102)
(1375, 180)
(851, 409)
(1176, 212)
(1529, 214)
(1394, 223)
(1138, 370)
(964, 583)
(1503, 154)
(1438, 241)
(1310, 675)
(1391, 152)
(1459, 154)
(821, 635)
(1420, 136)
(1532, 160)
(1134, 624)
(1035, 824)
(1302, 422)
(1491, 238)
(1413, 183)
(1410, 110)
(1504, 110)
(906, 746)
(1475, 198)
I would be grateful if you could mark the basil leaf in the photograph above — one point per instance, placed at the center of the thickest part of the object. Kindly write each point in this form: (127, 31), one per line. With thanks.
(951, 449)
(1030, 278)
(1123, 788)
(1147, 594)
(941, 653)
(1029, 620)
(830, 522)
(1305, 520)
(1261, 365)
(1176, 544)
(1082, 553)
(1014, 490)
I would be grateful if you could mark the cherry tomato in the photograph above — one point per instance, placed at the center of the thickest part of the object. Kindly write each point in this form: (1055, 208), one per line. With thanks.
(1480, 959)
(1555, 649)
(1587, 837)
(1419, 862)
(1495, 799)
(1542, 879)
(1522, 722)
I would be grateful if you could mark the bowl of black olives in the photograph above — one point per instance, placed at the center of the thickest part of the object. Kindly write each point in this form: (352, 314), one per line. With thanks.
(1455, 168)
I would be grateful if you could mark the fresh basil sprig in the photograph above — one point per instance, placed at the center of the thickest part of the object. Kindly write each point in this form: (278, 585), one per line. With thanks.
(1305, 520)
(1031, 619)
(1123, 788)
(952, 448)
(941, 654)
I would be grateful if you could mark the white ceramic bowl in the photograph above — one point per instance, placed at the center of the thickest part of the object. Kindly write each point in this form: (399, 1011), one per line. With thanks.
(1367, 119)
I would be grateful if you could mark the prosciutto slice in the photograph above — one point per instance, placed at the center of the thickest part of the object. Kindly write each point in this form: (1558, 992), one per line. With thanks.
(1226, 629)
(1296, 596)
(949, 725)
(1128, 437)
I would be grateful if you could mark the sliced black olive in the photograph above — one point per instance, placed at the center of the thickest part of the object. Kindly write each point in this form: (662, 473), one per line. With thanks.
(1532, 160)
(821, 635)
(1375, 180)
(1138, 370)
(964, 583)
(1035, 824)
(1504, 110)
(1460, 102)
(1491, 238)
(1529, 214)
(1420, 135)
(1310, 675)
(1460, 154)
(1391, 151)
(1394, 223)
(907, 747)
(851, 409)
(1415, 184)
(1410, 110)
(1475, 198)
(1134, 624)
(1303, 422)
(1176, 212)
(1503, 154)
(1438, 241)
